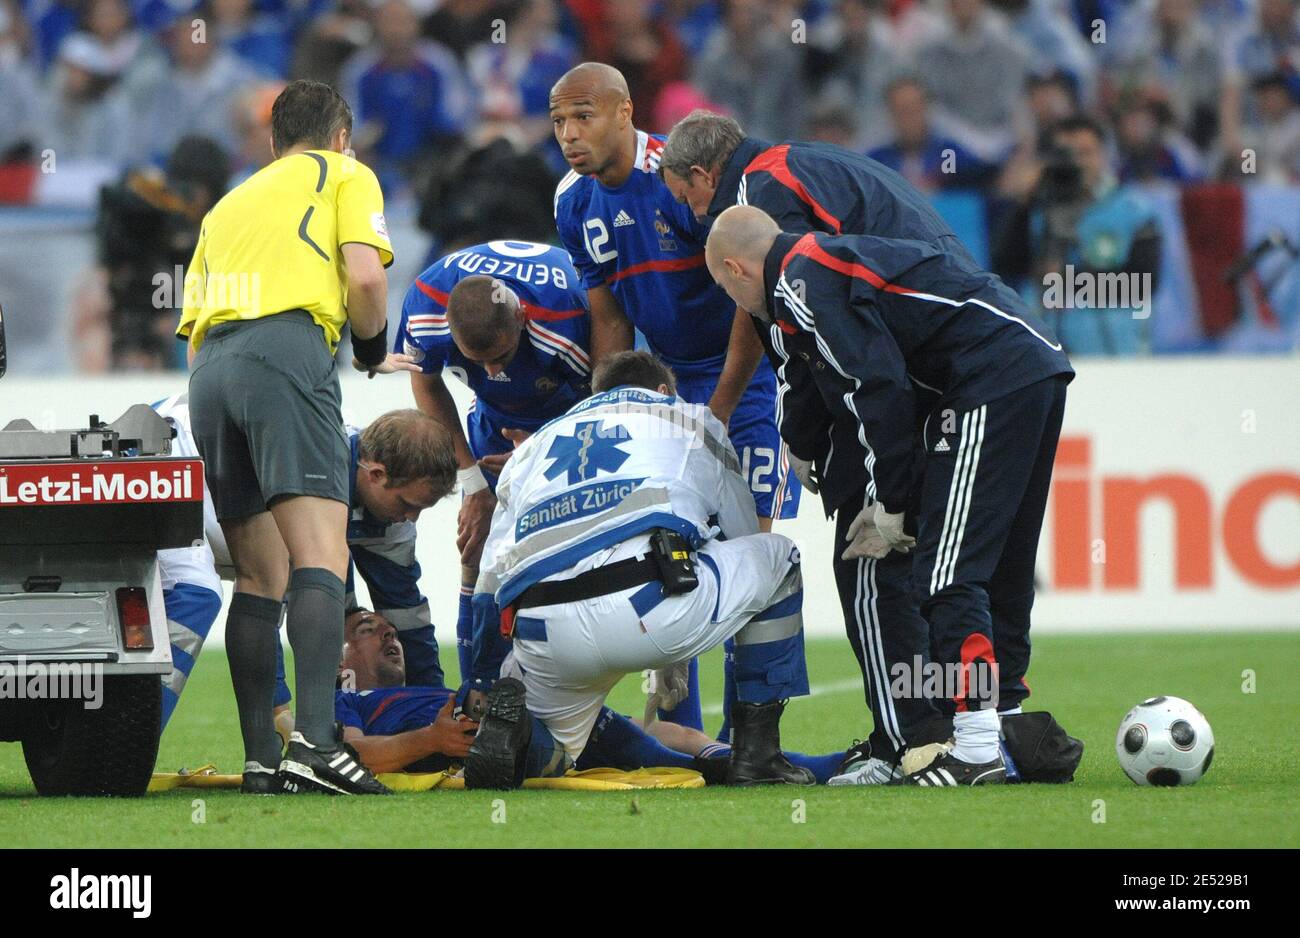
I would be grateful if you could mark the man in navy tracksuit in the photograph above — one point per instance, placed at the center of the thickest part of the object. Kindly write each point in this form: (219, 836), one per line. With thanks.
(881, 617)
(891, 315)
(710, 165)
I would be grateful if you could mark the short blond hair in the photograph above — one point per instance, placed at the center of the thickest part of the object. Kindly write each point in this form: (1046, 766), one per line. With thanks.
(412, 447)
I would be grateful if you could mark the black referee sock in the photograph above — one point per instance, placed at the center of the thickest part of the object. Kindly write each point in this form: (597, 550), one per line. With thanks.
(315, 627)
(252, 636)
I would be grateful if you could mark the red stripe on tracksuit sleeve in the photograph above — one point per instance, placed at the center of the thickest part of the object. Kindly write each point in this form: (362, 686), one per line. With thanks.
(808, 247)
(775, 161)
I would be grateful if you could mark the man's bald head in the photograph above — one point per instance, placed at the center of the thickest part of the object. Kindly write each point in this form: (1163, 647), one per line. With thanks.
(591, 113)
(743, 230)
(602, 82)
(737, 247)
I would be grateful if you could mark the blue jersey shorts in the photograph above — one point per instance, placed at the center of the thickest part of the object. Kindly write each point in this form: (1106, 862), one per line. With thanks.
(764, 459)
(483, 432)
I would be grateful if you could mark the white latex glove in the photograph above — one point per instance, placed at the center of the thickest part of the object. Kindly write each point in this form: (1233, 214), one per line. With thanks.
(864, 539)
(805, 472)
(890, 527)
(668, 687)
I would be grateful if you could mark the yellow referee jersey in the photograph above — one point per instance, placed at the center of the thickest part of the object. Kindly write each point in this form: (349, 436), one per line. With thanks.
(273, 244)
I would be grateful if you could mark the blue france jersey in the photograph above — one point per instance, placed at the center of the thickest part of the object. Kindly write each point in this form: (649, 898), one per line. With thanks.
(649, 250)
(552, 368)
(387, 711)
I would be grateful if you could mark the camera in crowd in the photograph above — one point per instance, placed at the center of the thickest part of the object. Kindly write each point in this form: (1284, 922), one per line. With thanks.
(1061, 182)
(1062, 196)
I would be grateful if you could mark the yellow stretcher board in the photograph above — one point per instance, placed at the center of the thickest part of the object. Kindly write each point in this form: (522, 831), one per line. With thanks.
(206, 776)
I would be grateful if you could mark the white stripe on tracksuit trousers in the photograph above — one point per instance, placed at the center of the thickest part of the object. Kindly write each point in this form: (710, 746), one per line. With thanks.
(873, 652)
(866, 615)
(960, 493)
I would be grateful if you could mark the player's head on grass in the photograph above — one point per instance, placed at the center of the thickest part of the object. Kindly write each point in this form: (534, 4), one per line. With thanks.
(310, 115)
(695, 155)
(635, 368)
(372, 653)
(405, 463)
(737, 247)
(591, 112)
(486, 321)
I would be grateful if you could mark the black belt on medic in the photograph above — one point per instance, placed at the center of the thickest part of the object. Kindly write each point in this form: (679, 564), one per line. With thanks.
(669, 561)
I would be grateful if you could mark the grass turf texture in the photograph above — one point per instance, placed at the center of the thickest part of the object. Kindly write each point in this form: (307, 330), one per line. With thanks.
(1247, 800)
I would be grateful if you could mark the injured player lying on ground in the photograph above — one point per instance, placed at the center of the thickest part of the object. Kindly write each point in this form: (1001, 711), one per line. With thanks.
(396, 728)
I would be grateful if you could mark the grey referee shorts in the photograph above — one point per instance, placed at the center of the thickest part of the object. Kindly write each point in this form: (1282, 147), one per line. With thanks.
(266, 412)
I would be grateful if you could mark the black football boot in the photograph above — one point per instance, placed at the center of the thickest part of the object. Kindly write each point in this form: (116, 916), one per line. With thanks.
(496, 757)
(756, 757)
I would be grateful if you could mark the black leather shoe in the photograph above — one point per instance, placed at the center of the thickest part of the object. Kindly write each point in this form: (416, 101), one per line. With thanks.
(259, 780)
(713, 768)
(334, 770)
(756, 757)
(496, 757)
(947, 771)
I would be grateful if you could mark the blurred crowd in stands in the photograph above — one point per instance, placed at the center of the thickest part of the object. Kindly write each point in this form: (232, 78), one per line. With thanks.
(1057, 117)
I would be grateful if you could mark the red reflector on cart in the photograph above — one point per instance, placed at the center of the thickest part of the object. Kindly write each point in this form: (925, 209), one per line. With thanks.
(133, 615)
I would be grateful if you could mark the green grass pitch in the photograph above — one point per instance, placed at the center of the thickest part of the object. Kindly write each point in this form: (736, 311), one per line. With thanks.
(1247, 800)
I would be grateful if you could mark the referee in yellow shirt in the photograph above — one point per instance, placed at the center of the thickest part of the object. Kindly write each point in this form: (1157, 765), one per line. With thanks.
(283, 262)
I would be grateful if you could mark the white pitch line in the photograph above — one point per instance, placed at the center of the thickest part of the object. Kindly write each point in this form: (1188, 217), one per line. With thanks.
(834, 687)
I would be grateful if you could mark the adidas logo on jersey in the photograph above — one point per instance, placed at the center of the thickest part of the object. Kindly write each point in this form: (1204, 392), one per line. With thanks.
(942, 446)
(623, 219)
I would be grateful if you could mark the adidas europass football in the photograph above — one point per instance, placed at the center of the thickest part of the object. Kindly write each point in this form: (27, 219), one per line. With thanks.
(1165, 741)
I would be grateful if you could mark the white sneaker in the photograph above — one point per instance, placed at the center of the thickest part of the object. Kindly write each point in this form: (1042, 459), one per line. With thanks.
(872, 772)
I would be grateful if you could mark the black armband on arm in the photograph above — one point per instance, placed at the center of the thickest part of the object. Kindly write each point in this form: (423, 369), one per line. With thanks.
(371, 352)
